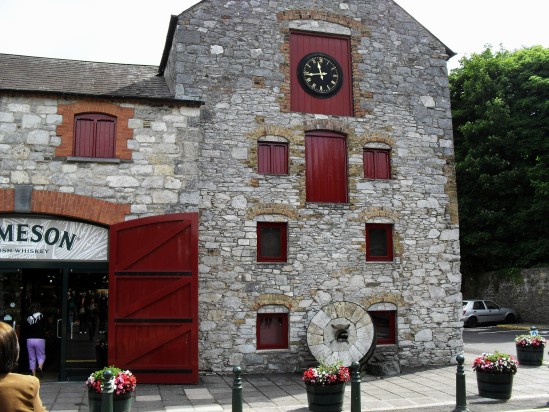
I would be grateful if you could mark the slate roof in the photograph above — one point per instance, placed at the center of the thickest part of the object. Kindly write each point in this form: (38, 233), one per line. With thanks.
(75, 77)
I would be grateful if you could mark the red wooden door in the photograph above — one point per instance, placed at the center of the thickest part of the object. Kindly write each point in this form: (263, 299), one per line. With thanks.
(153, 298)
(326, 167)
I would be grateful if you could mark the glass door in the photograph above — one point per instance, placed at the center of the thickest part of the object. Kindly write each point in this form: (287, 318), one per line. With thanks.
(19, 289)
(84, 331)
(74, 303)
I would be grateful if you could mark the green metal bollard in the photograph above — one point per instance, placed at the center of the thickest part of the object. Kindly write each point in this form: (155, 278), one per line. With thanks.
(355, 387)
(461, 394)
(237, 389)
(108, 392)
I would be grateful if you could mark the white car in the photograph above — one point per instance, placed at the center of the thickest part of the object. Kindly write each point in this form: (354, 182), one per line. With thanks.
(477, 311)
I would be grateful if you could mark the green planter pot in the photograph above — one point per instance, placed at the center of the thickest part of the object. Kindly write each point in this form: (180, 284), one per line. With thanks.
(326, 398)
(121, 403)
(531, 356)
(495, 386)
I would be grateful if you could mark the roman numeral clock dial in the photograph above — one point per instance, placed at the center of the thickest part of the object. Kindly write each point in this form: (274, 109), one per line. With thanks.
(320, 75)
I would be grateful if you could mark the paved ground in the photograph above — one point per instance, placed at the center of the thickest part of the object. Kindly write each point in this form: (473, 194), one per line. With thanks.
(428, 390)
(425, 390)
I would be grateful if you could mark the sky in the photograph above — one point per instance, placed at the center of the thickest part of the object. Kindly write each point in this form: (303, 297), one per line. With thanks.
(134, 31)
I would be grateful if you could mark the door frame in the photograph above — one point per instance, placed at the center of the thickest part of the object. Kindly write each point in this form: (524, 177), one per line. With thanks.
(65, 268)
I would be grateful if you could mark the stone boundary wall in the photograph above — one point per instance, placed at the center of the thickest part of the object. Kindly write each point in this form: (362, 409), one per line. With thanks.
(527, 293)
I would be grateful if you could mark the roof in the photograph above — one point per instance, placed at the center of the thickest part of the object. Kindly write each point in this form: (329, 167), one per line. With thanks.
(82, 78)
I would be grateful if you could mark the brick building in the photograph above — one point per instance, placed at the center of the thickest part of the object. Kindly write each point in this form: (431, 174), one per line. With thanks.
(281, 188)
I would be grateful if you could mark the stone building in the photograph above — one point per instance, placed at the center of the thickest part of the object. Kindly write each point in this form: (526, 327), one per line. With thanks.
(303, 150)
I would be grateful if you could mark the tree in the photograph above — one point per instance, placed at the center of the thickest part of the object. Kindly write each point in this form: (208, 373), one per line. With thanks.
(500, 103)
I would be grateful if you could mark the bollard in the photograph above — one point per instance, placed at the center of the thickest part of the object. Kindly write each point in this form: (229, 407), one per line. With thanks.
(534, 331)
(108, 392)
(237, 390)
(461, 395)
(355, 387)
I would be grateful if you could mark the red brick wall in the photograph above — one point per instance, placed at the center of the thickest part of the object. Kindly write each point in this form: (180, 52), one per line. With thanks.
(7, 200)
(69, 205)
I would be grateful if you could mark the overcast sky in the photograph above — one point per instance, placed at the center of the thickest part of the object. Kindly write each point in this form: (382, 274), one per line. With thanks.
(134, 31)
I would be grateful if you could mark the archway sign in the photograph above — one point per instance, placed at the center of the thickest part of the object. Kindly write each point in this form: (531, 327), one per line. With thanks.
(23, 238)
(341, 331)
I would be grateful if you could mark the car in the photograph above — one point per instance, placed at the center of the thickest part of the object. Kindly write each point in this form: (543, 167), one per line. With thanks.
(477, 311)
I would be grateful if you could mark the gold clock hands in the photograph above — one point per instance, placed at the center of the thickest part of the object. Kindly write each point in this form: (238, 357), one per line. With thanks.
(320, 71)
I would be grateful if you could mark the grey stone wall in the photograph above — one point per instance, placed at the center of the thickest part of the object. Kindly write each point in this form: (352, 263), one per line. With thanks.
(527, 292)
(160, 178)
(233, 55)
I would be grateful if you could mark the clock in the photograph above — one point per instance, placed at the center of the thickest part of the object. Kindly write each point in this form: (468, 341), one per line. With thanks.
(320, 75)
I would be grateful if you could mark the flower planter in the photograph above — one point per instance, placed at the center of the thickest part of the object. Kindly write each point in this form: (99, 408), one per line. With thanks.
(326, 398)
(121, 403)
(495, 386)
(530, 355)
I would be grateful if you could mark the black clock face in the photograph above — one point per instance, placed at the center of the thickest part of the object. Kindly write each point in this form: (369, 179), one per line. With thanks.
(320, 75)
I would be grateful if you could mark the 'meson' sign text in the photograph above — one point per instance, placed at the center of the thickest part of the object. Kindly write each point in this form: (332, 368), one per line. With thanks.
(43, 239)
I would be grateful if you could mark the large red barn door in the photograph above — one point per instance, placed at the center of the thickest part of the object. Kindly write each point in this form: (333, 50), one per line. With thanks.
(153, 298)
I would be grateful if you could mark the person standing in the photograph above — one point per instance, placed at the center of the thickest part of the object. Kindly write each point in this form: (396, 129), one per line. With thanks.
(36, 339)
(17, 392)
(103, 312)
(82, 312)
(92, 318)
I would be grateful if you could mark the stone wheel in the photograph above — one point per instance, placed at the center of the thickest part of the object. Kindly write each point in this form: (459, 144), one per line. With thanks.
(341, 331)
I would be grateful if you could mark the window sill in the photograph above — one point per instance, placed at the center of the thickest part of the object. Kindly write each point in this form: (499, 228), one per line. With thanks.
(380, 261)
(334, 205)
(92, 160)
(272, 350)
(271, 263)
(387, 347)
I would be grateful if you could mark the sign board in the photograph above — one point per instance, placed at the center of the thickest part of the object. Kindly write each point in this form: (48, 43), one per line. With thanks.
(50, 239)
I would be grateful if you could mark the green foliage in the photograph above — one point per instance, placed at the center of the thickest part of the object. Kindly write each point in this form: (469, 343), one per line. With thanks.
(500, 103)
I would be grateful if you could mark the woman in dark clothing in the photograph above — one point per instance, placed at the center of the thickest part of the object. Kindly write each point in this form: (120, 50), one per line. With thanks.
(36, 338)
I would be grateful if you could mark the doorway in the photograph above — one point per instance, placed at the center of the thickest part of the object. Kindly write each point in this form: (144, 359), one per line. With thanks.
(74, 301)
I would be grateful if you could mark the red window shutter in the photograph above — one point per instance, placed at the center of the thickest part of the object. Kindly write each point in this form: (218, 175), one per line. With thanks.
(272, 158)
(377, 164)
(326, 167)
(105, 138)
(263, 158)
(95, 135)
(83, 143)
(302, 44)
(280, 159)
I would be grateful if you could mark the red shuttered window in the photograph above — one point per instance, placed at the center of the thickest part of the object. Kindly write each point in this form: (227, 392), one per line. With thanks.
(379, 242)
(385, 326)
(272, 241)
(377, 164)
(94, 135)
(272, 330)
(326, 167)
(272, 158)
